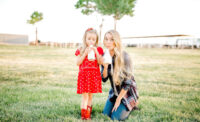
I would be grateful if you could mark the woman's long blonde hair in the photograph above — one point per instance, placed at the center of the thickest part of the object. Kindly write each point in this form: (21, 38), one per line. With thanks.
(84, 46)
(123, 66)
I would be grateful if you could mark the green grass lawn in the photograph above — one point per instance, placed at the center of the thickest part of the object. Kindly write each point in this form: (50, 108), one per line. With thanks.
(39, 84)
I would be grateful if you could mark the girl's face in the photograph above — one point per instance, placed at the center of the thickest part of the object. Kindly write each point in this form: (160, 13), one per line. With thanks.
(91, 39)
(109, 42)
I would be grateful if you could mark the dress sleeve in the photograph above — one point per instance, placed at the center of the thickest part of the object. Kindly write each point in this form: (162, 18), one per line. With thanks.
(100, 50)
(77, 52)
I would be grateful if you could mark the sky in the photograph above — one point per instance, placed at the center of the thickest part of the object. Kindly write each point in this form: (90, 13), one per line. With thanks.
(64, 23)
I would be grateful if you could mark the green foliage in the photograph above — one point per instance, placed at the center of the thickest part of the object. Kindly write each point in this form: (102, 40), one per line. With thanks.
(35, 17)
(87, 6)
(116, 8)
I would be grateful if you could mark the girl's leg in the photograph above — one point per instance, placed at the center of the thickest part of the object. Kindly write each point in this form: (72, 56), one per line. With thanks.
(121, 113)
(89, 109)
(84, 105)
(90, 99)
(84, 101)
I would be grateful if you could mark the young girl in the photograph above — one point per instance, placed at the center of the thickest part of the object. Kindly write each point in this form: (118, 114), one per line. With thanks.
(89, 76)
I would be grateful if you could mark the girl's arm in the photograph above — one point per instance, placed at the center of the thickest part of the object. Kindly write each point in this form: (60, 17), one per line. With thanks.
(119, 98)
(82, 57)
(98, 56)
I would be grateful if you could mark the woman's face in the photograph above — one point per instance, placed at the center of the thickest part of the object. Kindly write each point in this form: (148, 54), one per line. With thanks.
(109, 41)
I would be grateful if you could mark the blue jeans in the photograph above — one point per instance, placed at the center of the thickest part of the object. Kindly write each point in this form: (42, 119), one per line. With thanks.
(121, 113)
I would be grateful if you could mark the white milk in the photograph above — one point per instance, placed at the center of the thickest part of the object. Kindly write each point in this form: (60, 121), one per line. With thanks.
(91, 55)
(107, 57)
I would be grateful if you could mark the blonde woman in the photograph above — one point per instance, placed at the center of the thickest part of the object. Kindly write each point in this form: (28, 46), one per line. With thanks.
(119, 72)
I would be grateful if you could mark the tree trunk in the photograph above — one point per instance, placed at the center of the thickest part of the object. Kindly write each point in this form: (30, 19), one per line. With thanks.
(101, 26)
(115, 23)
(36, 40)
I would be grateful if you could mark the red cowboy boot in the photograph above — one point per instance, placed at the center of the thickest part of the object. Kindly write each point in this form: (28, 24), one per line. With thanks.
(90, 107)
(88, 113)
(83, 112)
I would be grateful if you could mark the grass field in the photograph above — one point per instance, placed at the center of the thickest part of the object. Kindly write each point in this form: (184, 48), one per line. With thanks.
(39, 84)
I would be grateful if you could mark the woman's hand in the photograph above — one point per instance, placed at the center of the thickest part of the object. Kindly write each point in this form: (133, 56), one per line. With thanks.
(101, 60)
(118, 100)
(105, 70)
(105, 65)
(117, 103)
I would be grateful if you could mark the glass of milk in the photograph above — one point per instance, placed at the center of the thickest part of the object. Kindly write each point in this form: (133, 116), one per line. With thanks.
(91, 55)
(107, 57)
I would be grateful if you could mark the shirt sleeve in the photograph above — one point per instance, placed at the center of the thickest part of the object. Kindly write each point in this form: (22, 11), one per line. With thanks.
(126, 84)
(103, 79)
(128, 64)
(100, 50)
(77, 52)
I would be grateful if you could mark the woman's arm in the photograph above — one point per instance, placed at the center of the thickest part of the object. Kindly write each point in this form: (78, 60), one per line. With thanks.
(104, 74)
(119, 98)
(105, 70)
(126, 83)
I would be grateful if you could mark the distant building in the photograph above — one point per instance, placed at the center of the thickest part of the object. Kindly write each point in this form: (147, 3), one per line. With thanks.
(173, 41)
(13, 39)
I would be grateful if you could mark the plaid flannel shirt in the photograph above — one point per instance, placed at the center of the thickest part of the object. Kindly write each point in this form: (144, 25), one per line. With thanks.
(131, 98)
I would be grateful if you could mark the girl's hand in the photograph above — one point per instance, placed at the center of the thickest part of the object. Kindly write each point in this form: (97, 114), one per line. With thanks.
(87, 50)
(94, 49)
(117, 103)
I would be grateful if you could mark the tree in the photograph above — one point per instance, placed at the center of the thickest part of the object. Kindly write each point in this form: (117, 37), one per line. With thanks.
(35, 17)
(88, 7)
(115, 8)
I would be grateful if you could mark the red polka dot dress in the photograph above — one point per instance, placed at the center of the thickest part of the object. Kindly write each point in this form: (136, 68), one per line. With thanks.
(89, 76)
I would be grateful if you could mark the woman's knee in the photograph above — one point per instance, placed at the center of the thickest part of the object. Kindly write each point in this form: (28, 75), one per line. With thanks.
(106, 113)
(122, 113)
(108, 108)
(114, 117)
(119, 117)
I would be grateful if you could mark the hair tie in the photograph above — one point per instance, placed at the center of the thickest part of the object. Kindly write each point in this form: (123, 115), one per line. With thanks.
(89, 29)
